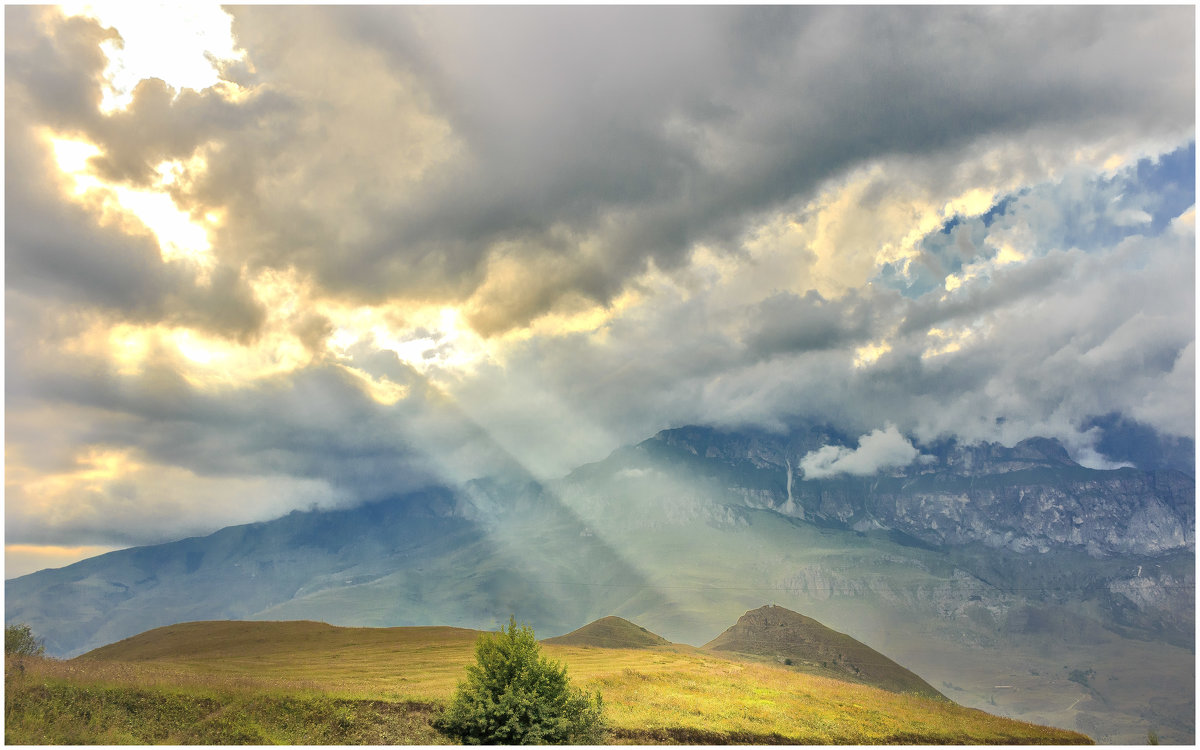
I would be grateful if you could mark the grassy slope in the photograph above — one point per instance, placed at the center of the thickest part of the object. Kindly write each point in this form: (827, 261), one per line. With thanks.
(253, 682)
(40, 709)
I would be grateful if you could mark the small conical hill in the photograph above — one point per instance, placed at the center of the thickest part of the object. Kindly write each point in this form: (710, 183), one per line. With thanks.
(610, 632)
(804, 643)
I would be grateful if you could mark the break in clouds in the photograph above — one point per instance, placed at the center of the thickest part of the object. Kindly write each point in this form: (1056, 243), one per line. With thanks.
(397, 246)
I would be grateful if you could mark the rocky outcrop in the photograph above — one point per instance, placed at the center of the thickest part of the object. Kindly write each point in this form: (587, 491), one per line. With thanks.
(1030, 497)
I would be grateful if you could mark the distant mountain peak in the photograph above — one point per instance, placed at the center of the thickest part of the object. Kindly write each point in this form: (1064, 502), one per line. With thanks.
(1045, 448)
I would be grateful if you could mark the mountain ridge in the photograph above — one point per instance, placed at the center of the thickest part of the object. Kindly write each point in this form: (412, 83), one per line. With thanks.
(1030, 496)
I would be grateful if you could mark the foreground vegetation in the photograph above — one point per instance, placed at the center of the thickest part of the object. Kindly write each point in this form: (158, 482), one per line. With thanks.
(81, 712)
(309, 683)
(515, 695)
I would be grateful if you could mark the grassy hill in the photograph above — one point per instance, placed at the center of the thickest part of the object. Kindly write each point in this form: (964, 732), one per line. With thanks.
(802, 642)
(610, 632)
(310, 683)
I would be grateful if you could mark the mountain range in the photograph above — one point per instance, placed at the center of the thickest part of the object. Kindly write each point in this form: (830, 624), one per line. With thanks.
(993, 572)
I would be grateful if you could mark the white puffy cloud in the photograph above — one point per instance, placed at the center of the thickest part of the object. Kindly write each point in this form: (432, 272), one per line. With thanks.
(881, 449)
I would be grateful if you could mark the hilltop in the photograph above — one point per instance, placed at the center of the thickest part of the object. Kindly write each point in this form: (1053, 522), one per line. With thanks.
(610, 632)
(802, 642)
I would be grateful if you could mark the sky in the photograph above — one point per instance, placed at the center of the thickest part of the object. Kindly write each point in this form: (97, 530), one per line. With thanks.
(272, 258)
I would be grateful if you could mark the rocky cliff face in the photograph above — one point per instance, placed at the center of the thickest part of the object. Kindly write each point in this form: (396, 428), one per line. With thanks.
(1028, 497)
(1025, 519)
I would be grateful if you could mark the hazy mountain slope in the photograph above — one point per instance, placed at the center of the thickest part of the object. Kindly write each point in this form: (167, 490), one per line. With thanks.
(610, 632)
(233, 573)
(687, 531)
(415, 560)
(800, 641)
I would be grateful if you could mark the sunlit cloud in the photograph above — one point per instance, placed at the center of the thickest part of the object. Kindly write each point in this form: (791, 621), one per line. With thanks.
(1006, 254)
(864, 356)
(180, 43)
(179, 236)
(205, 361)
(116, 494)
(94, 467)
(381, 389)
(946, 341)
(434, 340)
(72, 158)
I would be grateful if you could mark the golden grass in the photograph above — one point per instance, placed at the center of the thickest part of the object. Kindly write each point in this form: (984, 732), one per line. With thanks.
(420, 664)
(46, 703)
(664, 694)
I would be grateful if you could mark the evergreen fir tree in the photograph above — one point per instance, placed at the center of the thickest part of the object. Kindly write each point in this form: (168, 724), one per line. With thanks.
(514, 695)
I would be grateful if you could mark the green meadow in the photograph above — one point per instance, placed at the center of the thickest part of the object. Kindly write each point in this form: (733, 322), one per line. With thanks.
(311, 683)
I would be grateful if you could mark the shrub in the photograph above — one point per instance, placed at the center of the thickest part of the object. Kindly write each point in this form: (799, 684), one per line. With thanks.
(514, 695)
(19, 641)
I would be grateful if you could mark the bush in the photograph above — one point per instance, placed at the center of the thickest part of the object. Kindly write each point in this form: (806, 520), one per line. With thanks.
(19, 641)
(513, 695)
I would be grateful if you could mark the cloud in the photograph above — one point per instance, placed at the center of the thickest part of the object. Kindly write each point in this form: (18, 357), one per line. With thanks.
(446, 153)
(881, 449)
(445, 242)
(1032, 347)
(791, 323)
(116, 499)
(669, 147)
(71, 246)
